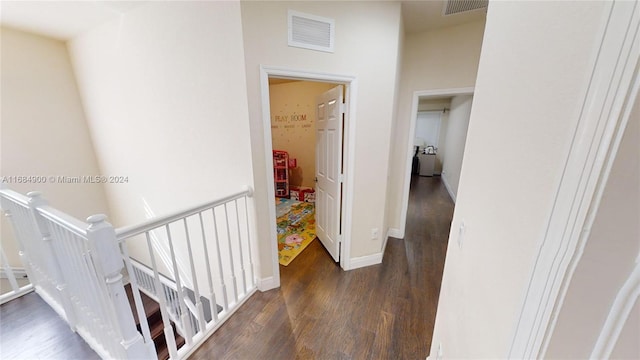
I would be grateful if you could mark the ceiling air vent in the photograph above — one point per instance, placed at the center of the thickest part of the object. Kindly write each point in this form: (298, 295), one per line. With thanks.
(311, 32)
(453, 7)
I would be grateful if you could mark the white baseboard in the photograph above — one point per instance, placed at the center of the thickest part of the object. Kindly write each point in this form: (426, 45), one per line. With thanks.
(446, 185)
(395, 233)
(363, 261)
(268, 283)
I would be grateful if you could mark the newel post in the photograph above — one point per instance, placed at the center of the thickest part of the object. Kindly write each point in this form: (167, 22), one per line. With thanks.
(102, 239)
(53, 258)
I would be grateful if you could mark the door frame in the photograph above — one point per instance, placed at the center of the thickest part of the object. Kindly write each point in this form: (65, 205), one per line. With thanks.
(417, 95)
(350, 83)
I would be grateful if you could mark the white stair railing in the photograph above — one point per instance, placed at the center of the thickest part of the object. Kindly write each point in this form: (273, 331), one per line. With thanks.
(145, 279)
(9, 273)
(76, 267)
(214, 240)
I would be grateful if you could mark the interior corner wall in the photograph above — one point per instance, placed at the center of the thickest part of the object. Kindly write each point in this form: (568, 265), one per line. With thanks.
(439, 59)
(513, 161)
(609, 257)
(392, 134)
(457, 125)
(165, 95)
(43, 131)
(293, 126)
(364, 31)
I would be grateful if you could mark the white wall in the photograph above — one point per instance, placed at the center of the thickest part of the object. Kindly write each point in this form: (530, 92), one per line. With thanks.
(533, 53)
(297, 137)
(609, 257)
(364, 32)
(428, 128)
(165, 95)
(43, 128)
(439, 59)
(457, 125)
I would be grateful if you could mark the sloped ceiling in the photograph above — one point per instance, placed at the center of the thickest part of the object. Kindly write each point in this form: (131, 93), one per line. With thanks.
(64, 20)
(61, 20)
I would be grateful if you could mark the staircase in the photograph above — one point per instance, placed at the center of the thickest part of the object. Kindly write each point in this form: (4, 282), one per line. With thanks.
(156, 327)
(77, 267)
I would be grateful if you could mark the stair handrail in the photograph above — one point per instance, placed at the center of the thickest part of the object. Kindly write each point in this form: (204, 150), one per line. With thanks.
(106, 248)
(125, 232)
(72, 252)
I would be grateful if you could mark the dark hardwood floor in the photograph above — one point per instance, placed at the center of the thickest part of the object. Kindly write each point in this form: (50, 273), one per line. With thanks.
(30, 329)
(385, 311)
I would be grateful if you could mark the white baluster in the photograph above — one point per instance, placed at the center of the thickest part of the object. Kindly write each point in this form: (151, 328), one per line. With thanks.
(70, 271)
(183, 309)
(9, 271)
(220, 268)
(103, 241)
(233, 269)
(244, 277)
(212, 294)
(246, 218)
(198, 302)
(168, 329)
(144, 324)
(27, 255)
(24, 257)
(35, 200)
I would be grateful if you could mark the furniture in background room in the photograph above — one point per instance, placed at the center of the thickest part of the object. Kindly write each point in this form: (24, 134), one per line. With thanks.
(281, 173)
(303, 193)
(427, 164)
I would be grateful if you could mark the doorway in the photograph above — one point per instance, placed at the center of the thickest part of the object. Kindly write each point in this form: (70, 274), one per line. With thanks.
(300, 159)
(439, 101)
(344, 198)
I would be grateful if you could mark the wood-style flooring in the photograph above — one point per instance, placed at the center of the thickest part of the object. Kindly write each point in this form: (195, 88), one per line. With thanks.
(385, 311)
(30, 329)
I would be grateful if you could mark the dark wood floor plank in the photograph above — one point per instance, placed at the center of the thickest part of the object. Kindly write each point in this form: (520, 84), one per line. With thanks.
(30, 329)
(385, 311)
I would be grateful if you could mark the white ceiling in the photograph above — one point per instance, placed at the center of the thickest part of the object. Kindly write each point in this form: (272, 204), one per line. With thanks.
(64, 20)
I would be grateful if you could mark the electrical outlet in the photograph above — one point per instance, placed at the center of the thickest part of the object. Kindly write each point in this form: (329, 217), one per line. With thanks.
(374, 234)
(461, 232)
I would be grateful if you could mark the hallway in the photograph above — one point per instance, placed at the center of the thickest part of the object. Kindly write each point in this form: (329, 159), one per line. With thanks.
(385, 311)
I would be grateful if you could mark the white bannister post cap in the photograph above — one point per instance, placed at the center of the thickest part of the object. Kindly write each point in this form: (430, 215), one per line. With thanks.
(249, 190)
(34, 194)
(96, 219)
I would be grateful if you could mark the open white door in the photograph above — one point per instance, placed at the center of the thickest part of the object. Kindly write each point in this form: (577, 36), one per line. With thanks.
(329, 108)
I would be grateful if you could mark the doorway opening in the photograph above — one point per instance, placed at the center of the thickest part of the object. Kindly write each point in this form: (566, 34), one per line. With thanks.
(319, 172)
(296, 162)
(437, 133)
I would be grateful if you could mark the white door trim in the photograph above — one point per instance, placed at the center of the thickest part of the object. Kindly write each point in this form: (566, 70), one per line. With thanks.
(410, 150)
(350, 83)
(612, 88)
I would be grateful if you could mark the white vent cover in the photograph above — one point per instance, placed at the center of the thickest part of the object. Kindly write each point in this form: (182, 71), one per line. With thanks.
(311, 32)
(453, 7)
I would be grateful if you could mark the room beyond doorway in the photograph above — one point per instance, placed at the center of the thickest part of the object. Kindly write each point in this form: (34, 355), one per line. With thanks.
(349, 83)
(294, 135)
(463, 96)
